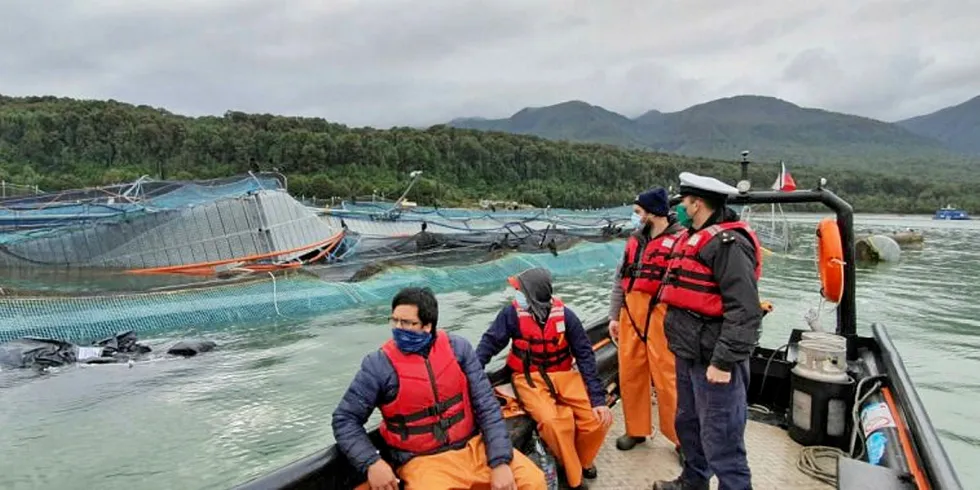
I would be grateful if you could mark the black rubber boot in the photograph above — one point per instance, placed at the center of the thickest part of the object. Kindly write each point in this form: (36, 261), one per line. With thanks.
(679, 484)
(627, 442)
(590, 473)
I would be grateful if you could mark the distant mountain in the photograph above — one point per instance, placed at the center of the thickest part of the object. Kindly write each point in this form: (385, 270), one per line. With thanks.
(958, 127)
(573, 120)
(773, 129)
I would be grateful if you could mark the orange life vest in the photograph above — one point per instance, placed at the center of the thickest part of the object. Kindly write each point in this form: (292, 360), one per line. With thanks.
(432, 410)
(689, 283)
(642, 270)
(542, 348)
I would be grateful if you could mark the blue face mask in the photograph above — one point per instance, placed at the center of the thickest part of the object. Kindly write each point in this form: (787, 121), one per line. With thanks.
(521, 300)
(682, 218)
(410, 341)
(635, 220)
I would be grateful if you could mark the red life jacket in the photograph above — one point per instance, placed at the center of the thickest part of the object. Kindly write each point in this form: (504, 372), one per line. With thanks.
(543, 348)
(689, 283)
(642, 270)
(432, 410)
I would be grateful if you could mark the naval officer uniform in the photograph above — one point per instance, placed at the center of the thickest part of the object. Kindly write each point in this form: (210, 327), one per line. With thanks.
(712, 326)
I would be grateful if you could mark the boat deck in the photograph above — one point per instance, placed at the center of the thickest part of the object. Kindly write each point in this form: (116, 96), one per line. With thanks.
(772, 459)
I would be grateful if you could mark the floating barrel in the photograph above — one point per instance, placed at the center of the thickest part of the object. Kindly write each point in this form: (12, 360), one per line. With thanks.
(902, 238)
(877, 248)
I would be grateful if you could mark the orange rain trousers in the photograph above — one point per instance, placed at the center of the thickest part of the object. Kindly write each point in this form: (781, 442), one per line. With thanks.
(567, 425)
(639, 362)
(464, 469)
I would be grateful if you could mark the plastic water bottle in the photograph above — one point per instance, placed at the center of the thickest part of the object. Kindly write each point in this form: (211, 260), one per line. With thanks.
(543, 458)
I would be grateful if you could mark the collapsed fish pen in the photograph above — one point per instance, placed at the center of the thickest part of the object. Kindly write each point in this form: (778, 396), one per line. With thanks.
(201, 254)
(151, 225)
(52, 210)
(197, 226)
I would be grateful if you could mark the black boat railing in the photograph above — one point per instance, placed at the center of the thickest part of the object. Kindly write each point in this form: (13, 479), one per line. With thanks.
(847, 310)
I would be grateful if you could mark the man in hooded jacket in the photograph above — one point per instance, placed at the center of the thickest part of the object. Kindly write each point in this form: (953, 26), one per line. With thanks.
(440, 416)
(545, 335)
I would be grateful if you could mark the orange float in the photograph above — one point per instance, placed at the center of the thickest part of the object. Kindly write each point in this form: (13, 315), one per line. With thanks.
(830, 260)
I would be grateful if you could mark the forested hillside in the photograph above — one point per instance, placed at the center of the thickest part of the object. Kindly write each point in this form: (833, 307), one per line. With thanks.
(958, 127)
(63, 143)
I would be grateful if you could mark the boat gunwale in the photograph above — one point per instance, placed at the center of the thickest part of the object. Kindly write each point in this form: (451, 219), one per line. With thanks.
(939, 469)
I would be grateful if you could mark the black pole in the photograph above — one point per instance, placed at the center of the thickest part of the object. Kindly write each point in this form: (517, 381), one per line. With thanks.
(745, 165)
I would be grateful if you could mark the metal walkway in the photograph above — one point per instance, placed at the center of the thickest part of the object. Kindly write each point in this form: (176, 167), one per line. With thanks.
(772, 459)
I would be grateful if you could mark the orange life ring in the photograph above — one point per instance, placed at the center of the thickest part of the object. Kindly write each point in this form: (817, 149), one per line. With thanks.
(830, 260)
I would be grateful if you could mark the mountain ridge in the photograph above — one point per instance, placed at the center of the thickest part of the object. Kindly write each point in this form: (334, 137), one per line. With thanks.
(773, 128)
(957, 126)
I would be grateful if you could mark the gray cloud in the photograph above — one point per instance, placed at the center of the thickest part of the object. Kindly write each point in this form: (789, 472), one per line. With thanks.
(400, 62)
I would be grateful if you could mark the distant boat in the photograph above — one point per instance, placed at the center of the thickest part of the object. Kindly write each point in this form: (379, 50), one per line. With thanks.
(951, 213)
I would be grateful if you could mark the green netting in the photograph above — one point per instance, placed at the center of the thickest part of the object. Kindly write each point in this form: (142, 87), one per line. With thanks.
(82, 319)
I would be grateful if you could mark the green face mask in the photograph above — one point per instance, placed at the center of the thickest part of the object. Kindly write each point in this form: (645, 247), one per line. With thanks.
(682, 218)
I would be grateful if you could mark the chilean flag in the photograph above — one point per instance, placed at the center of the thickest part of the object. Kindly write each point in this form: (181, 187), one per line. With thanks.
(785, 181)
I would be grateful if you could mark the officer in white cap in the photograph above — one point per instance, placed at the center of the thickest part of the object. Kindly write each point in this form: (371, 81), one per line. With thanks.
(712, 325)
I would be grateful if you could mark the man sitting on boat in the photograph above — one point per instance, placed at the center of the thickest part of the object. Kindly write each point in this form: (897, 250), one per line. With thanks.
(545, 337)
(712, 326)
(440, 416)
(636, 320)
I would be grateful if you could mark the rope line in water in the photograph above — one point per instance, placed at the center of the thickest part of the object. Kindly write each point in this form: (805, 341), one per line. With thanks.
(275, 298)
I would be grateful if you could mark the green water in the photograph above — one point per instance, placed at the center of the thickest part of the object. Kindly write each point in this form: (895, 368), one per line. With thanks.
(265, 398)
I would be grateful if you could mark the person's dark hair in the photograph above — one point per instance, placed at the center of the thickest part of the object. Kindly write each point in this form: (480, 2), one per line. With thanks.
(421, 298)
(714, 203)
(730, 214)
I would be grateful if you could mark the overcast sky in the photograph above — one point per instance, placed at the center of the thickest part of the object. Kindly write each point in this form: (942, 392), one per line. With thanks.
(399, 62)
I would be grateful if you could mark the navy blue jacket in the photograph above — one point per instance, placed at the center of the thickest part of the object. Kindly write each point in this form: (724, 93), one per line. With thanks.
(376, 383)
(504, 328)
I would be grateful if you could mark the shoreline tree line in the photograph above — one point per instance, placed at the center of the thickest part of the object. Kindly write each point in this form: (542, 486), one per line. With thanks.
(59, 143)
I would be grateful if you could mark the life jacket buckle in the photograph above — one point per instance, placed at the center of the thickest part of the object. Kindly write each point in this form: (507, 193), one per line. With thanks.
(629, 270)
(403, 431)
(441, 430)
